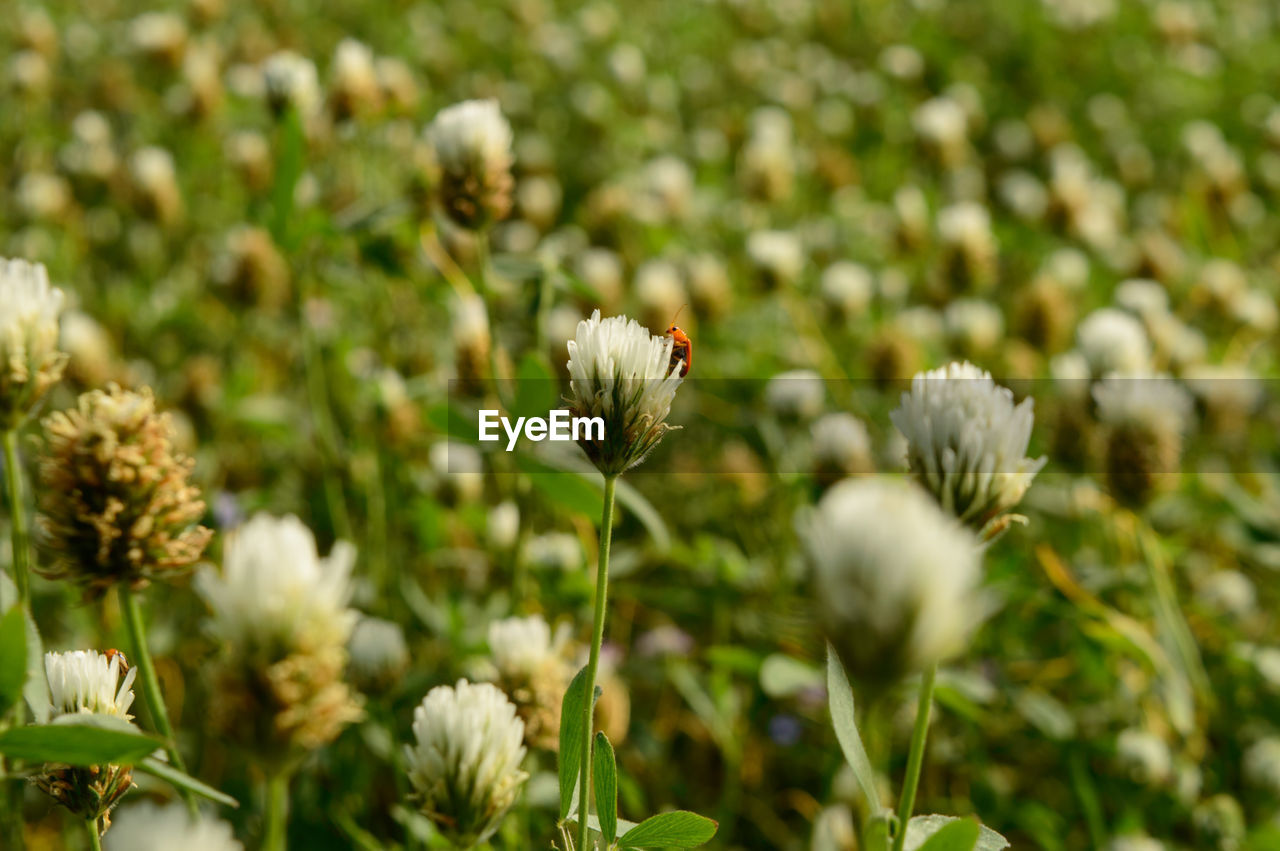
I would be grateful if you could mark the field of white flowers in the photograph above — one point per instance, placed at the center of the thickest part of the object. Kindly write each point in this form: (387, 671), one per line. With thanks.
(934, 346)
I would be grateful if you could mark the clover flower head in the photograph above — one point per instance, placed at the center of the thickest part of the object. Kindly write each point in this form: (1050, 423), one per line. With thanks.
(89, 682)
(472, 142)
(155, 827)
(967, 441)
(895, 579)
(464, 764)
(620, 372)
(30, 362)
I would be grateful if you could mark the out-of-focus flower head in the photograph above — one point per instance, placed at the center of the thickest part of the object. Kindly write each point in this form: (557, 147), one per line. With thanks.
(841, 447)
(1146, 418)
(290, 80)
(1113, 341)
(895, 579)
(30, 362)
(164, 827)
(472, 142)
(534, 671)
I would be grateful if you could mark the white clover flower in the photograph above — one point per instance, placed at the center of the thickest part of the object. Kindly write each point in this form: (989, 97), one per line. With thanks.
(553, 550)
(1114, 341)
(624, 374)
(659, 290)
(847, 287)
(472, 142)
(975, 325)
(1154, 402)
(153, 827)
(841, 446)
(942, 123)
(378, 651)
(465, 762)
(1144, 756)
(1143, 297)
(87, 681)
(777, 256)
(460, 470)
(895, 579)
(520, 645)
(290, 79)
(1262, 765)
(967, 441)
(30, 362)
(1228, 591)
(795, 394)
(503, 525)
(354, 79)
(276, 593)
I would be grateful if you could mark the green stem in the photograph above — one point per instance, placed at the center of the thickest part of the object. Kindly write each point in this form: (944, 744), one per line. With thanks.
(593, 662)
(322, 419)
(11, 831)
(17, 517)
(277, 812)
(151, 685)
(915, 757)
(95, 841)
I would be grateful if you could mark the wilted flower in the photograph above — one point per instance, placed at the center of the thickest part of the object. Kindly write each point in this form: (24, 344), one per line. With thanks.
(620, 372)
(30, 362)
(115, 502)
(87, 682)
(154, 827)
(465, 762)
(1145, 418)
(895, 579)
(281, 611)
(472, 143)
(534, 672)
(967, 441)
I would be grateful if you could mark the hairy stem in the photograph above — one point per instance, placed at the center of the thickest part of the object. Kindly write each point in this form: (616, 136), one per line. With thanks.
(593, 663)
(915, 757)
(17, 518)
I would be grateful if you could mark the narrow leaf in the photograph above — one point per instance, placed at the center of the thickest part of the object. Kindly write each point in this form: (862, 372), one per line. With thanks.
(957, 835)
(13, 657)
(679, 829)
(82, 742)
(605, 777)
(571, 739)
(921, 830)
(174, 777)
(840, 697)
(36, 689)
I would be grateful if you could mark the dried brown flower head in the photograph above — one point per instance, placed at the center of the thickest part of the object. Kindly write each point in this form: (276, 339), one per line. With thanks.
(115, 504)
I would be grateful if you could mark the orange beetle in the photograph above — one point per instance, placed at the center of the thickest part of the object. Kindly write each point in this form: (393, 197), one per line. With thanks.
(682, 350)
(111, 653)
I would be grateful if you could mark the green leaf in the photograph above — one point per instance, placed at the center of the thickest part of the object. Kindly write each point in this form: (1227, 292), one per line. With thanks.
(36, 690)
(785, 676)
(922, 829)
(570, 490)
(642, 509)
(605, 777)
(83, 740)
(678, 829)
(957, 835)
(575, 697)
(13, 657)
(840, 697)
(174, 777)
